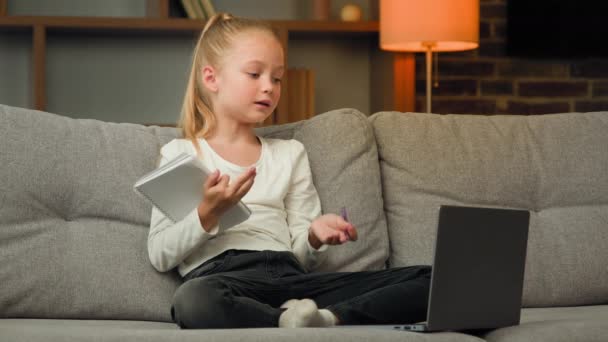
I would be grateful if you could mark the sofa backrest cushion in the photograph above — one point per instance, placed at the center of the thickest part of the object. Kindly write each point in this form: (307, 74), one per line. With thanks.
(73, 233)
(552, 165)
(343, 159)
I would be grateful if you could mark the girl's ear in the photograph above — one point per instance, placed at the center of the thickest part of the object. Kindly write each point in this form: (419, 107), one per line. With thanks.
(209, 78)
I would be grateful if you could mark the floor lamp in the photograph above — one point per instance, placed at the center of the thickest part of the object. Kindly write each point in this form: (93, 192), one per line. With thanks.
(429, 26)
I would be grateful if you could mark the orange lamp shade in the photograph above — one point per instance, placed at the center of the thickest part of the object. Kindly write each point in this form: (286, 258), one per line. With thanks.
(411, 25)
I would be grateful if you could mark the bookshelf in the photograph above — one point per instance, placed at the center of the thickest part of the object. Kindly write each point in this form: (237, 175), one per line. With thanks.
(391, 83)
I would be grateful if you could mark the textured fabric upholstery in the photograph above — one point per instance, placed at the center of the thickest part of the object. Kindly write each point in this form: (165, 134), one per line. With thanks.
(29, 330)
(552, 165)
(565, 324)
(73, 233)
(344, 161)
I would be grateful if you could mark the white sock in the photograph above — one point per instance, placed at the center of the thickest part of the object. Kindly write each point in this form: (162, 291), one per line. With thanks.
(304, 313)
(328, 318)
(289, 303)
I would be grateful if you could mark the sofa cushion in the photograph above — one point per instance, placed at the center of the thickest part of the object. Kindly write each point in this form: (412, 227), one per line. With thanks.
(34, 330)
(73, 233)
(566, 324)
(552, 165)
(344, 162)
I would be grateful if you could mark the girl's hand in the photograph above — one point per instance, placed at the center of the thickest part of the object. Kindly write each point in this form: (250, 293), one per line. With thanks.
(330, 229)
(219, 195)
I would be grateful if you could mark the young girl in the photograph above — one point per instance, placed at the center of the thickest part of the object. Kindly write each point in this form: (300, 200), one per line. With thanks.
(256, 274)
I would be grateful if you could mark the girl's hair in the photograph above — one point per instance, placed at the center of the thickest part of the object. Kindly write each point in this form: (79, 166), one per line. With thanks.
(197, 118)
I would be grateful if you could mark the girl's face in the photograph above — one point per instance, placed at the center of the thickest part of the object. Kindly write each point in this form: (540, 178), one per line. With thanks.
(248, 82)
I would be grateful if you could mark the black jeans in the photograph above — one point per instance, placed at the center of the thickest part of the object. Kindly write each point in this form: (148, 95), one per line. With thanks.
(244, 289)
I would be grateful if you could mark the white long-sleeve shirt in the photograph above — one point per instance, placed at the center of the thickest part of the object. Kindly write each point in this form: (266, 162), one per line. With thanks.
(283, 201)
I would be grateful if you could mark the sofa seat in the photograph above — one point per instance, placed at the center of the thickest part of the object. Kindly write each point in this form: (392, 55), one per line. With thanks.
(557, 324)
(50, 330)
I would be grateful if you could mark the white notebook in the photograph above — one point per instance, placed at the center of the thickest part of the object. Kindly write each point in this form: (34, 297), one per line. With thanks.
(176, 189)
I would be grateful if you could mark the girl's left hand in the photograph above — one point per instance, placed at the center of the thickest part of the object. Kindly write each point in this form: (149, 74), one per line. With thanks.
(330, 229)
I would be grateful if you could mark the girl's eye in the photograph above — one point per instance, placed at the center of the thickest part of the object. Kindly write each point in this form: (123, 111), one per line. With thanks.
(277, 80)
(254, 74)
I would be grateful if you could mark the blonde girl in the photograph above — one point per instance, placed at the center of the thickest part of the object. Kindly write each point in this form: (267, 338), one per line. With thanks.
(258, 273)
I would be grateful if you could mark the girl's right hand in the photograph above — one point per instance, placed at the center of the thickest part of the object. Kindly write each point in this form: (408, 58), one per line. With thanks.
(219, 195)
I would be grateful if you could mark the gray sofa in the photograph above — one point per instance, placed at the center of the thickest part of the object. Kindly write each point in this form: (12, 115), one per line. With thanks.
(73, 234)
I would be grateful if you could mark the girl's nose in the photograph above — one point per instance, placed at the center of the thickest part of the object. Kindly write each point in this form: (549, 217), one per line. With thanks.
(268, 87)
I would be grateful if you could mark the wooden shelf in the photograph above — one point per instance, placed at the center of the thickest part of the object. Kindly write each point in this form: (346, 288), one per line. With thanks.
(397, 95)
(172, 24)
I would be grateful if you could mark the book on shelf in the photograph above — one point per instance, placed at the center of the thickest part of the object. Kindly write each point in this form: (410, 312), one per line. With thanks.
(208, 8)
(189, 8)
(200, 11)
(195, 9)
(176, 189)
(300, 94)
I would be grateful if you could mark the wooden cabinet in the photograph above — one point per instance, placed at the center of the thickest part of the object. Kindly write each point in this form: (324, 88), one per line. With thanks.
(391, 75)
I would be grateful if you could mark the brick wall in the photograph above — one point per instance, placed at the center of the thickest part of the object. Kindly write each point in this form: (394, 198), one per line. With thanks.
(486, 81)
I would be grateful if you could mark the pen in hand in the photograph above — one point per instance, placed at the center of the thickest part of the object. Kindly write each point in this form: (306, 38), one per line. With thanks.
(344, 215)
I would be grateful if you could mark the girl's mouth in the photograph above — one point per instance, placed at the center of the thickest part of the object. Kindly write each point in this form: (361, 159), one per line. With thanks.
(263, 103)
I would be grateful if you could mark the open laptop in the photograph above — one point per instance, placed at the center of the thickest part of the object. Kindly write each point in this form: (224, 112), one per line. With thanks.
(478, 270)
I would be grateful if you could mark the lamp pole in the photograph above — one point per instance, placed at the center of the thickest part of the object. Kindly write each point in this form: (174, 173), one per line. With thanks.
(429, 63)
